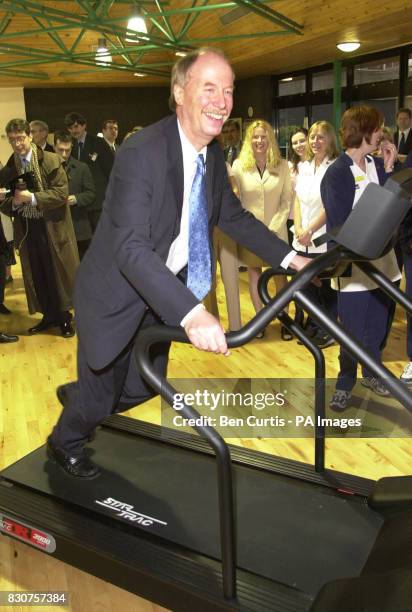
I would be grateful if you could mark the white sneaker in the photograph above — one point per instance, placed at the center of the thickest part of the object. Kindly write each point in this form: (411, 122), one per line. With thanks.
(406, 375)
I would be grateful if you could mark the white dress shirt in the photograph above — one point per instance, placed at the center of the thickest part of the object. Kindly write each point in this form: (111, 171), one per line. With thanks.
(179, 250)
(27, 158)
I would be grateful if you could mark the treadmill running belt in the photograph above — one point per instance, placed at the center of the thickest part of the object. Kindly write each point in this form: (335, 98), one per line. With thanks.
(289, 530)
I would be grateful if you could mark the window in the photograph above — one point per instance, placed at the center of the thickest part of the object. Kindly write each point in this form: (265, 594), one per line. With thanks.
(324, 80)
(295, 85)
(387, 106)
(377, 71)
(289, 120)
(322, 112)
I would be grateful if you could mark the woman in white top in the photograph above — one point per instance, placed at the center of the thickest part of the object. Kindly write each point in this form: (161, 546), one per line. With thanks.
(310, 216)
(363, 308)
(296, 154)
(265, 189)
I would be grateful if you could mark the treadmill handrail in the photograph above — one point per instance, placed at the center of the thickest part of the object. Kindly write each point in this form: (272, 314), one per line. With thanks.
(292, 290)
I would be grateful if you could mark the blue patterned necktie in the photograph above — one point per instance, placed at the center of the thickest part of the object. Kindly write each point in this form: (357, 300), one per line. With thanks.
(199, 271)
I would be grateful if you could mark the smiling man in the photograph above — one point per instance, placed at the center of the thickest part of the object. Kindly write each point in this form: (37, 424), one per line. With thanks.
(150, 259)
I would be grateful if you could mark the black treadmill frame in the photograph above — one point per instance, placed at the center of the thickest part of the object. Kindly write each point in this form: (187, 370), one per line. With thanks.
(154, 568)
(161, 571)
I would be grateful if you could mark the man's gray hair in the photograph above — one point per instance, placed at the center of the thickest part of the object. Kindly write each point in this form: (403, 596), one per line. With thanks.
(37, 123)
(182, 67)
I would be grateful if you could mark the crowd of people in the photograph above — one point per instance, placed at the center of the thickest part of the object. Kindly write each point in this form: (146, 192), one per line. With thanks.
(51, 201)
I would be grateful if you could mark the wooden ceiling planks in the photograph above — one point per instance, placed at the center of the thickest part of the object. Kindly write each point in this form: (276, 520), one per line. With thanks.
(378, 25)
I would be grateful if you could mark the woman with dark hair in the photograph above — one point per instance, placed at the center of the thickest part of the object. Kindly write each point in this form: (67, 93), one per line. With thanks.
(363, 308)
(296, 151)
(296, 155)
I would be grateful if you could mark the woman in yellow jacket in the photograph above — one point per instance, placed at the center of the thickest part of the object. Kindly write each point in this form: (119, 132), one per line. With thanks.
(265, 189)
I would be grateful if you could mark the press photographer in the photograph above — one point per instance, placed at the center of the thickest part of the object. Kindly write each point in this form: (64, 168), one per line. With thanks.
(44, 232)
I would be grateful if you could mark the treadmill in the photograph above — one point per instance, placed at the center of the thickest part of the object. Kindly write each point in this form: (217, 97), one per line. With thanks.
(192, 523)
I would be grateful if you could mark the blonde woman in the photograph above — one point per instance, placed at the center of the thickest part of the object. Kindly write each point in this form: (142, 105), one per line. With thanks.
(310, 217)
(265, 189)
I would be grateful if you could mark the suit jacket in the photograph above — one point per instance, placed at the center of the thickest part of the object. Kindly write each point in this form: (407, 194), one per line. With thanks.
(81, 185)
(48, 148)
(408, 143)
(97, 155)
(337, 188)
(124, 272)
(267, 197)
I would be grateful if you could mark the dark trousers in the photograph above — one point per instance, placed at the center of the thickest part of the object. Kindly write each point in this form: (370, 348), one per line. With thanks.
(94, 216)
(324, 296)
(97, 394)
(42, 272)
(364, 314)
(407, 263)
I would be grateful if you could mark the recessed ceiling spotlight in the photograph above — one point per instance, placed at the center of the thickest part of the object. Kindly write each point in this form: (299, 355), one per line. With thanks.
(285, 80)
(348, 47)
(181, 53)
(139, 74)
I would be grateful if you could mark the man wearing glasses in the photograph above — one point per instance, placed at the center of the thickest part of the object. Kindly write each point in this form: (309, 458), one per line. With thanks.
(44, 230)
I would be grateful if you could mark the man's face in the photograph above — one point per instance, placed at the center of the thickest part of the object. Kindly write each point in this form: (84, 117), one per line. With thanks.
(110, 132)
(20, 142)
(232, 135)
(39, 135)
(205, 101)
(63, 149)
(403, 121)
(77, 130)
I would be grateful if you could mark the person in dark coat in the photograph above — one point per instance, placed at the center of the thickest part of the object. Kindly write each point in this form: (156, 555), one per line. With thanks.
(39, 131)
(81, 189)
(94, 152)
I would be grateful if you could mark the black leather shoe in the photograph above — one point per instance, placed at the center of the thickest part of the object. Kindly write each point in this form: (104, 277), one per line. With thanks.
(67, 330)
(4, 310)
(7, 338)
(41, 327)
(79, 466)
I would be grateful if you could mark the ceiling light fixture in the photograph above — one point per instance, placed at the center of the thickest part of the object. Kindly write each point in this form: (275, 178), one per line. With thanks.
(136, 27)
(285, 80)
(348, 47)
(103, 57)
(139, 74)
(181, 53)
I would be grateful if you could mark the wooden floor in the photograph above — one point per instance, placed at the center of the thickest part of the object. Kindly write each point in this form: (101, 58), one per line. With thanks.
(32, 369)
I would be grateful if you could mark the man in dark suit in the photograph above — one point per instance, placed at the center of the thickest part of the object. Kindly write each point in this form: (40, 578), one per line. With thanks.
(159, 204)
(403, 135)
(81, 189)
(39, 131)
(110, 131)
(96, 154)
(233, 139)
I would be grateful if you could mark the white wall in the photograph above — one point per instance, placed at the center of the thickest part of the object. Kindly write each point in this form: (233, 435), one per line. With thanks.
(11, 106)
